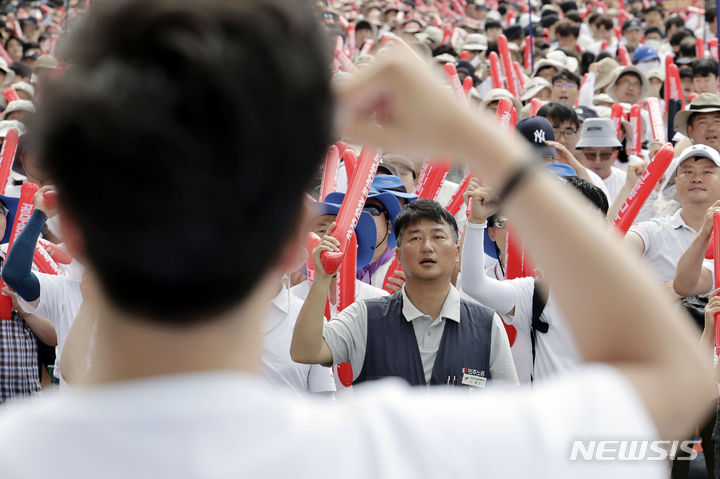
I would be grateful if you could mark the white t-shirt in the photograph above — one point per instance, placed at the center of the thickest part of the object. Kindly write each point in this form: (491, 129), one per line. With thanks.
(614, 182)
(597, 181)
(277, 366)
(665, 239)
(362, 291)
(59, 301)
(220, 425)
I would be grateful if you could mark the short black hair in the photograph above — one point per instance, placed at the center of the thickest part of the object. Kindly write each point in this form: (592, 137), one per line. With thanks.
(654, 8)
(225, 127)
(568, 75)
(565, 28)
(679, 36)
(604, 21)
(574, 16)
(22, 70)
(589, 191)
(688, 47)
(674, 20)
(654, 30)
(558, 112)
(686, 73)
(424, 209)
(710, 14)
(704, 67)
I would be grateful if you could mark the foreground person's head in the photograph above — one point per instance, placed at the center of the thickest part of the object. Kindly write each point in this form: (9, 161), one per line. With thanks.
(181, 139)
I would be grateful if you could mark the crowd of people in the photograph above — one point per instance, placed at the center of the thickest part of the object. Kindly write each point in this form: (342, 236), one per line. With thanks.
(430, 191)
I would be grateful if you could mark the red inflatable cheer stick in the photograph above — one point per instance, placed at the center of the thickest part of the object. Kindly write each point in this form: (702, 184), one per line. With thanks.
(457, 199)
(518, 263)
(345, 63)
(495, 70)
(716, 254)
(350, 160)
(7, 157)
(11, 95)
(636, 125)
(455, 38)
(656, 122)
(713, 46)
(527, 54)
(329, 177)
(18, 30)
(350, 35)
(506, 114)
(311, 242)
(352, 207)
(535, 105)
(346, 297)
(59, 255)
(507, 65)
(50, 199)
(467, 86)
(44, 261)
(432, 176)
(639, 194)
(700, 48)
(447, 34)
(26, 205)
(367, 46)
(668, 86)
(341, 146)
(623, 56)
(454, 80)
(617, 116)
(394, 267)
(676, 91)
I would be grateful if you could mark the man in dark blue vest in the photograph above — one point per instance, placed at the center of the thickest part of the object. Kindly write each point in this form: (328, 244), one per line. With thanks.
(424, 333)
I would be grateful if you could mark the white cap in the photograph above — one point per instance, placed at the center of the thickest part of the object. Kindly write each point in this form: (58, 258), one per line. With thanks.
(694, 151)
(18, 105)
(7, 125)
(598, 133)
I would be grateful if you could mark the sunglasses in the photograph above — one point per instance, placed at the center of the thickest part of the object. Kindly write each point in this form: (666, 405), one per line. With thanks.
(374, 210)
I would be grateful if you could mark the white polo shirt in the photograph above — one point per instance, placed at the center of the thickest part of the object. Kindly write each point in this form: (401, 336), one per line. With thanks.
(277, 366)
(362, 291)
(665, 239)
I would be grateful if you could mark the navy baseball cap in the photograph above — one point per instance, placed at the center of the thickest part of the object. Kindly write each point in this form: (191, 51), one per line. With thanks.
(537, 130)
(393, 185)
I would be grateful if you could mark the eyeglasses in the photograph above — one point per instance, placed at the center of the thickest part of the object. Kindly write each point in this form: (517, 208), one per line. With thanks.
(560, 84)
(500, 222)
(566, 133)
(603, 155)
(374, 210)
(629, 84)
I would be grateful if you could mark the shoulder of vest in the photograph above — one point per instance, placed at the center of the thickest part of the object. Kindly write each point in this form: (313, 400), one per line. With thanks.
(383, 299)
(476, 308)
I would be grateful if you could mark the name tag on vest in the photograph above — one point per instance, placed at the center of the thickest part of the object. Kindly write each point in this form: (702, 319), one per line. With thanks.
(473, 378)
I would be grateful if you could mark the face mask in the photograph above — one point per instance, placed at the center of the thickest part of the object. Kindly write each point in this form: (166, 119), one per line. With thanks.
(645, 67)
(654, 44)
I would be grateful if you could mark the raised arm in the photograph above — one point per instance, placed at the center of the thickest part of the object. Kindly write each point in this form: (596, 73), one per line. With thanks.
(691, 278)
(308, 345)
(488, 291)
(616, 313)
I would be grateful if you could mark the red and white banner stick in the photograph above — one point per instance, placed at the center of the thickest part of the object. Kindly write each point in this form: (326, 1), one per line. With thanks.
(457, 199)
(432, 176)
(11, 95)
(7, 157)
(623, 56)
(343, 60)
(713, 47)
(26, 205)
(640, 193)
(350, 35)
(467, 86)
(44, 262)
(636, 126)
(454, 80)
(716, 254)
(535, 105)
(350, 160)
(367, 46)
(699, 48)
(507, 65)
(519, 81)
(346, 297)
(656, 120)
(59, 254)
(506, 114)
(352, 207)
(617, 116)
(495, 70)
(329, 177)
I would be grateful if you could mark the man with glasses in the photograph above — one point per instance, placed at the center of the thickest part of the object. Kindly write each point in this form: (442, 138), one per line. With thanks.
(425, 333)
(630, 85)
(565, 87)
(599, 145)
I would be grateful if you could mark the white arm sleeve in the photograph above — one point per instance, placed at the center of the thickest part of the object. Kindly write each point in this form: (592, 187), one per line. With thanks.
(476, 284)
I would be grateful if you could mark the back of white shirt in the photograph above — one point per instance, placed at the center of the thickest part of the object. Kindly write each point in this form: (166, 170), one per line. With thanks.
(231, 425)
